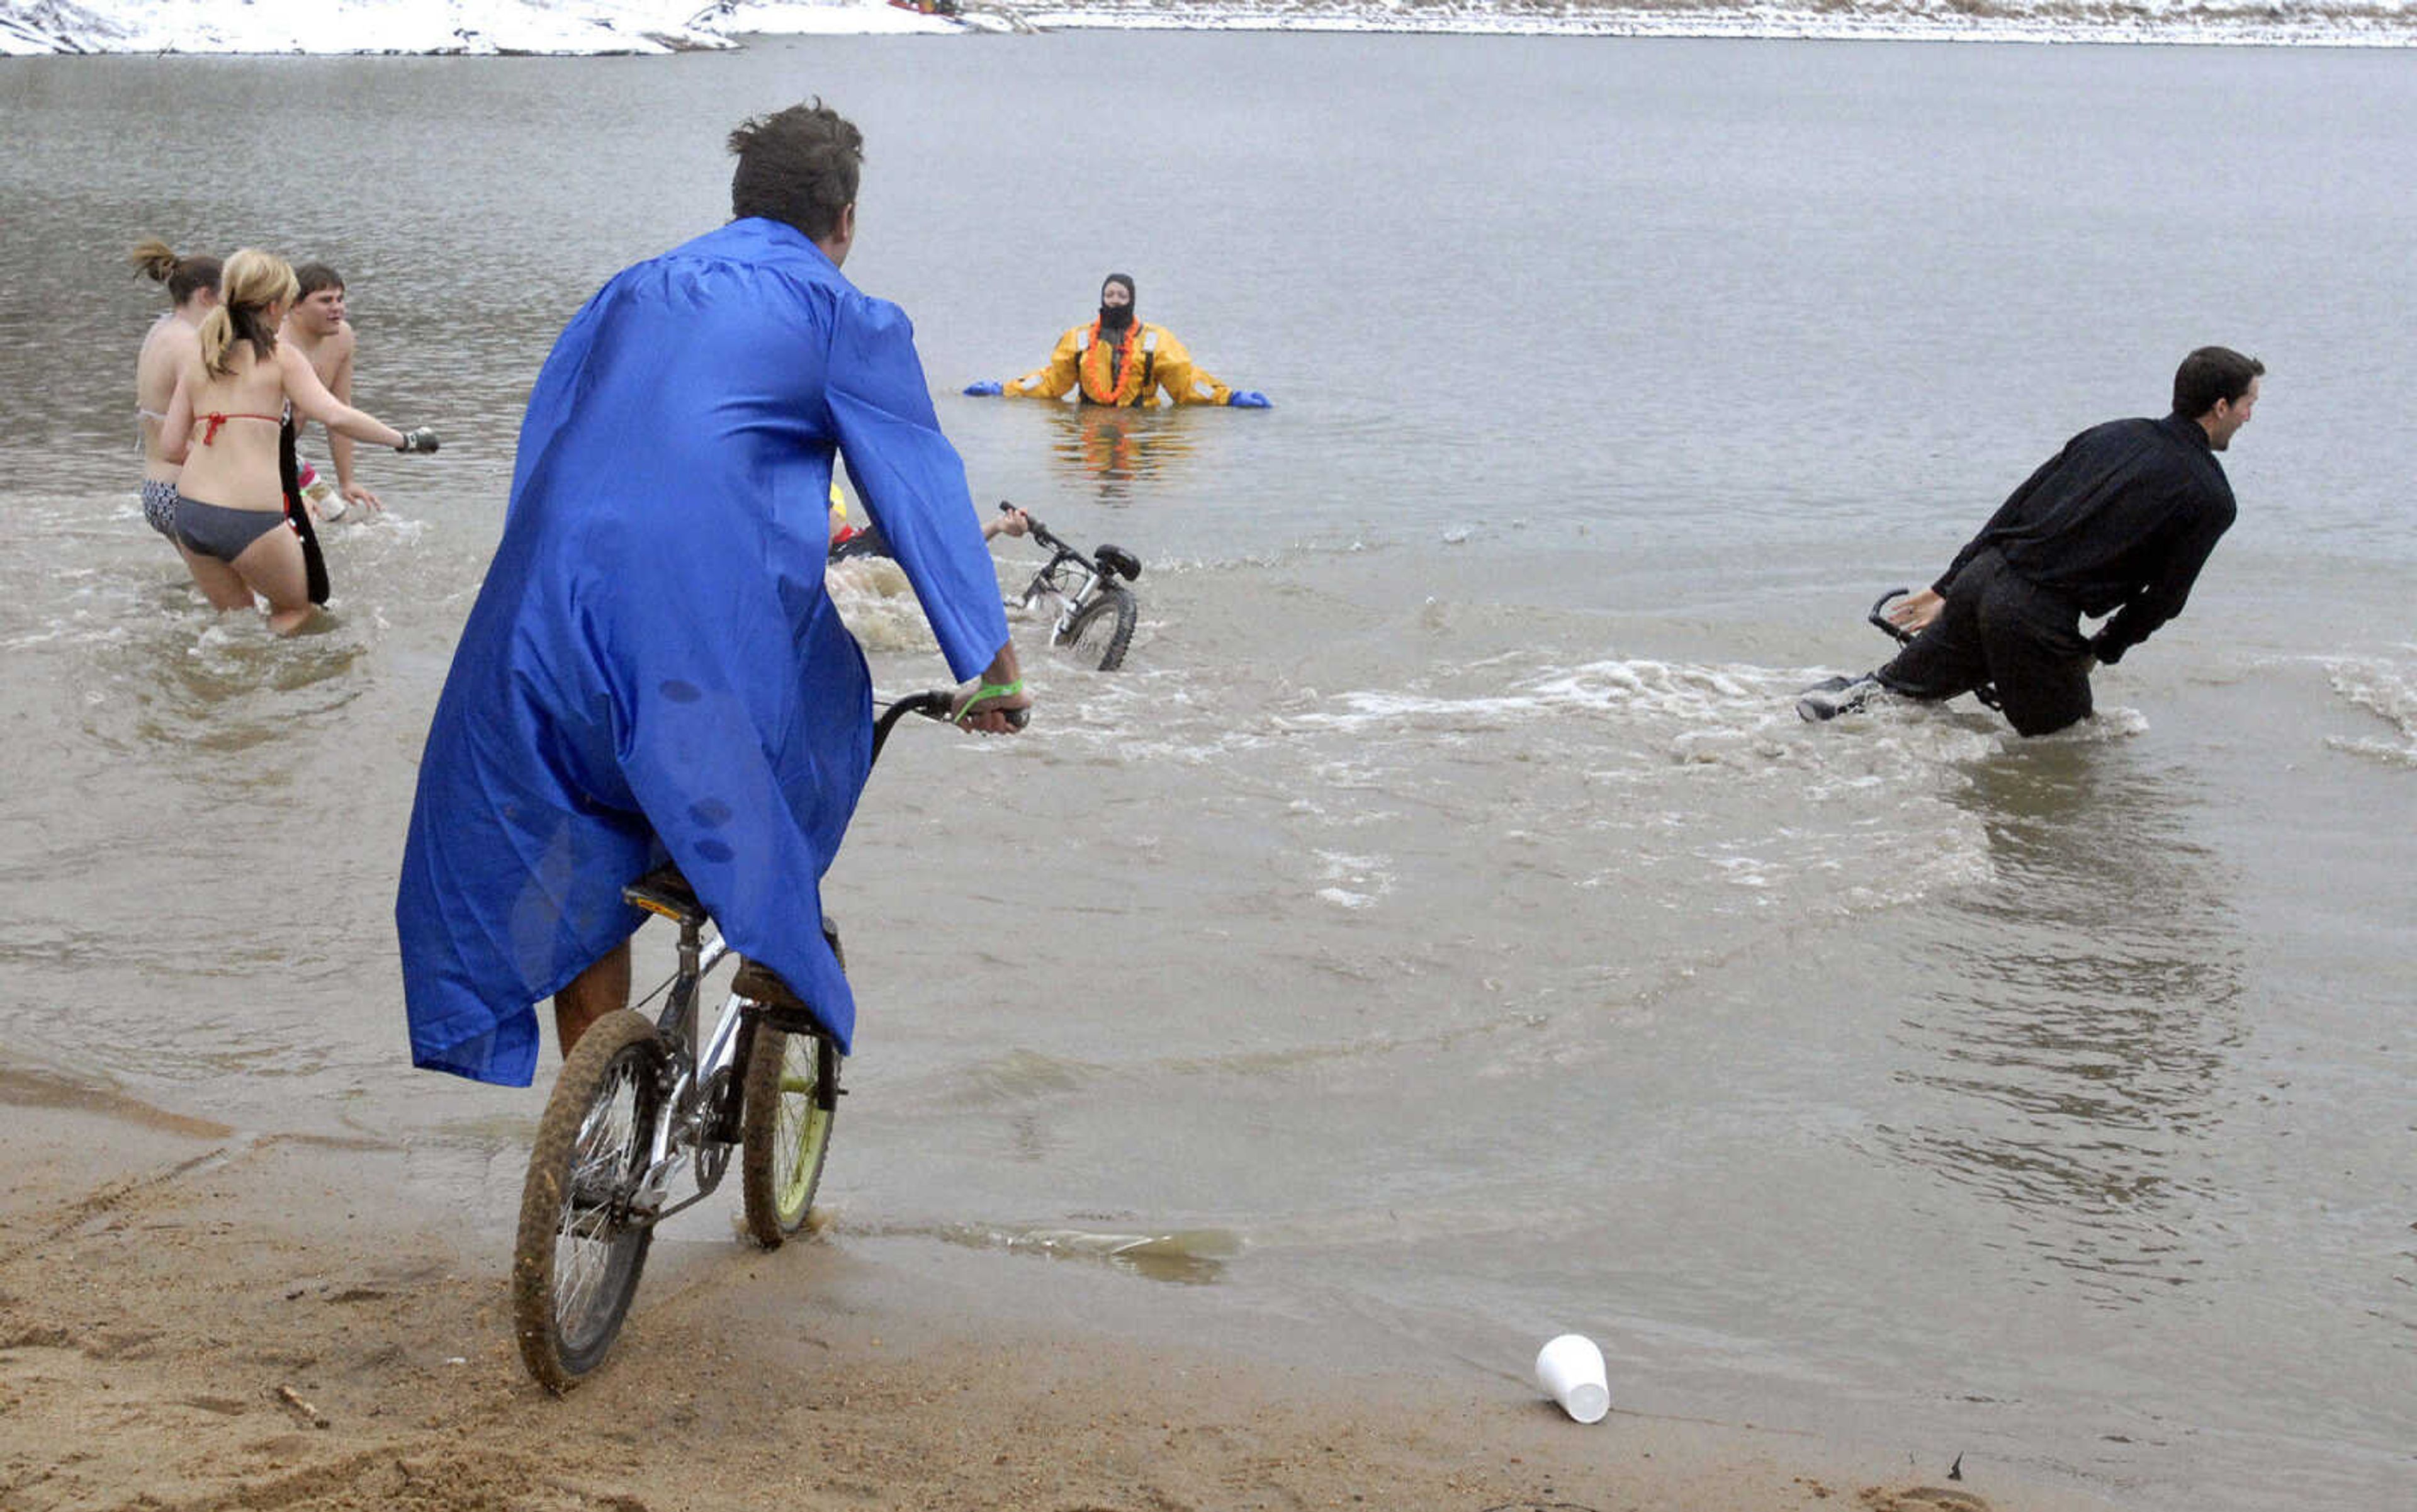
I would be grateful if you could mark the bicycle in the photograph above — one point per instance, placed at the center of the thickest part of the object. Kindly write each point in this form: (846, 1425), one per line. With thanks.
(1832, 697)
(1096, 616)
(638, 1100)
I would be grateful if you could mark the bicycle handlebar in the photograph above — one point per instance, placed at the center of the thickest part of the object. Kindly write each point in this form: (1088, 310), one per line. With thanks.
(1883, 623)
(1986, 692)
(1016, 718)
(934, 704)
(1041, 532)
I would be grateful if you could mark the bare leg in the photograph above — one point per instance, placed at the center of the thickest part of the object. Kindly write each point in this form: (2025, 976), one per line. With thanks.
(272, 567)
(602, 988)
(217, 581)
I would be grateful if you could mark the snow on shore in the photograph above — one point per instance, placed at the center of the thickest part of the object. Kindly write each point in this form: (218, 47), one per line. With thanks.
(590, 26)
(2328, 22)
(471, 27)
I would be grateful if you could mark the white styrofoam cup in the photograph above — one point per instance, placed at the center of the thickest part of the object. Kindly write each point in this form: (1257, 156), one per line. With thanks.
(1570, 1370)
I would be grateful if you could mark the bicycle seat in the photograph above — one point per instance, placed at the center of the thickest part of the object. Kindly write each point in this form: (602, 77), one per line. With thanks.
(1119, 561)
(665, 891)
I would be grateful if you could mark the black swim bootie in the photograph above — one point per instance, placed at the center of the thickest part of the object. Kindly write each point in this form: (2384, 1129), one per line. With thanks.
(1832, 697)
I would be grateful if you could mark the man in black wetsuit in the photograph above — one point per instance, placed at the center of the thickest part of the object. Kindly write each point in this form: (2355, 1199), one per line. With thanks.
(2120, 522)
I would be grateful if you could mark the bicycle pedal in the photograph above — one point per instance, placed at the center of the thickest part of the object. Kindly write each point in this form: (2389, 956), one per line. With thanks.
(665, 892)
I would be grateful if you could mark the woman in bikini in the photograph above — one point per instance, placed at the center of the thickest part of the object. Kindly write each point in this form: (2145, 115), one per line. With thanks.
(222, 426)
(174, 339)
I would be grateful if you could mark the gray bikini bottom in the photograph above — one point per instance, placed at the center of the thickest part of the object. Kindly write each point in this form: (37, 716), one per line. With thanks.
(213, 531)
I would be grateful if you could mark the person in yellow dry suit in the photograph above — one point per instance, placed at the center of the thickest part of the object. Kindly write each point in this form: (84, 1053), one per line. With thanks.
(1119, 360)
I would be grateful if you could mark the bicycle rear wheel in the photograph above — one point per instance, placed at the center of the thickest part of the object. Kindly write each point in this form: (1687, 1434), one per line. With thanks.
(576, 1260)
(1101, 629)
(784, 1129)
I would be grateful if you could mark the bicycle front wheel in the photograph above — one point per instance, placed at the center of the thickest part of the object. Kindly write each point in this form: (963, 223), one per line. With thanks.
(1101, 629)
(784, 1129)
(576, 1260)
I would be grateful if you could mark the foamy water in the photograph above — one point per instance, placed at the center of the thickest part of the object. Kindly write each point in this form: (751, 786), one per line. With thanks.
(2387, 689)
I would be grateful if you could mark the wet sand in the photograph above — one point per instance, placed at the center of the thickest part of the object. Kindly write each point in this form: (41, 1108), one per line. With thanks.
(194, 1318)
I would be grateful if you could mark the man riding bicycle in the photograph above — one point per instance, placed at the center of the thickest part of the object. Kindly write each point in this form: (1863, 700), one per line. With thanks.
(652, 669)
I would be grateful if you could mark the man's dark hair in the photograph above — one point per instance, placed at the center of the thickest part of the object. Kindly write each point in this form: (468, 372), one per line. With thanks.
(311, 277)
(798, 165)
(2210, 375)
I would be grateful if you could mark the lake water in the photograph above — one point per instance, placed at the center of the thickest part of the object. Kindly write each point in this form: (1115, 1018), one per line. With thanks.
(1443, 925)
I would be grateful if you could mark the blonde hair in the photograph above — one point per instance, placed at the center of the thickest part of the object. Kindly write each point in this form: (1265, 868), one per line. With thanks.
(252, 281)
(155, 260)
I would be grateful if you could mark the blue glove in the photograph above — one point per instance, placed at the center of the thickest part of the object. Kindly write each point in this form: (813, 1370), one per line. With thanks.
(985, 388)
(1248, 399)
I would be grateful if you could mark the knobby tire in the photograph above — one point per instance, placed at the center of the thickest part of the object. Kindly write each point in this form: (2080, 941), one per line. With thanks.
(576, 1260)
(792, 1098)
(1102, 629)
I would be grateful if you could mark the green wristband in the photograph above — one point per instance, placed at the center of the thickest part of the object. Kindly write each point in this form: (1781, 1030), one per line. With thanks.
(989, 690)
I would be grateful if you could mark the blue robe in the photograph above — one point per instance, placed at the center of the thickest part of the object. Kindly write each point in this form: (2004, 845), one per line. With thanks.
(652, 667)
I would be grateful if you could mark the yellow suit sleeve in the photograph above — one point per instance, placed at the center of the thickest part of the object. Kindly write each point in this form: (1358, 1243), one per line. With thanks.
(1185, 384)
(1059, 378)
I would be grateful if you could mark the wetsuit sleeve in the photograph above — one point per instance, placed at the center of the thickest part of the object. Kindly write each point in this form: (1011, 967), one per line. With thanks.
(1185, 384)
(911, 480)
(1057, 380)
(2006, 512)
(2168, 588)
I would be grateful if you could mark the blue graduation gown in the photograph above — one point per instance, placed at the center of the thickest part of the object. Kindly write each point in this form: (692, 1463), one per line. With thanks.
(652, 667)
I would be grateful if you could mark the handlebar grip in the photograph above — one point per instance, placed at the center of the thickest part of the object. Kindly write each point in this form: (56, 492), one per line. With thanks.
(1879, 620)
(937, 704)
(1038, 530)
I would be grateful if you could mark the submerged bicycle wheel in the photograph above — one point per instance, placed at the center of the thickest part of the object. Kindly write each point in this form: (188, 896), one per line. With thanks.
(576, 1260)
(1101, 631)
(784, 1130)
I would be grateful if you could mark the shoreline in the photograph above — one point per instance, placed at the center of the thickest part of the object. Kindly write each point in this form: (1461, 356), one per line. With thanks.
(193, 1318)
(2141, 22)
(511, 28)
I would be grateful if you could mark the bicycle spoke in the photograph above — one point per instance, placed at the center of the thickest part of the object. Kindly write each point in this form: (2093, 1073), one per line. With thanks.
(788, 1131)
(590, 1233)
(580, 1247)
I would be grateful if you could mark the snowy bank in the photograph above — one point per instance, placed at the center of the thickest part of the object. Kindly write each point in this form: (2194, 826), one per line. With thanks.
(460, 26)
(2325, 22)
(590, 26)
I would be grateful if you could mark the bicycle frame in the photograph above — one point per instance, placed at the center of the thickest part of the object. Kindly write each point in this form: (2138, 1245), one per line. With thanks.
(695, 1125)
(1046, 584)
(701, 1075)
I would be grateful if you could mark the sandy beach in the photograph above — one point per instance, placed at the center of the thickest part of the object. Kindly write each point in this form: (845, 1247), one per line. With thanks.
(194, 1318)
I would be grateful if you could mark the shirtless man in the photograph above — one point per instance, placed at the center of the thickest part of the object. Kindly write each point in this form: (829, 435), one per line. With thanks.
(193, 285)
(315, 326)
